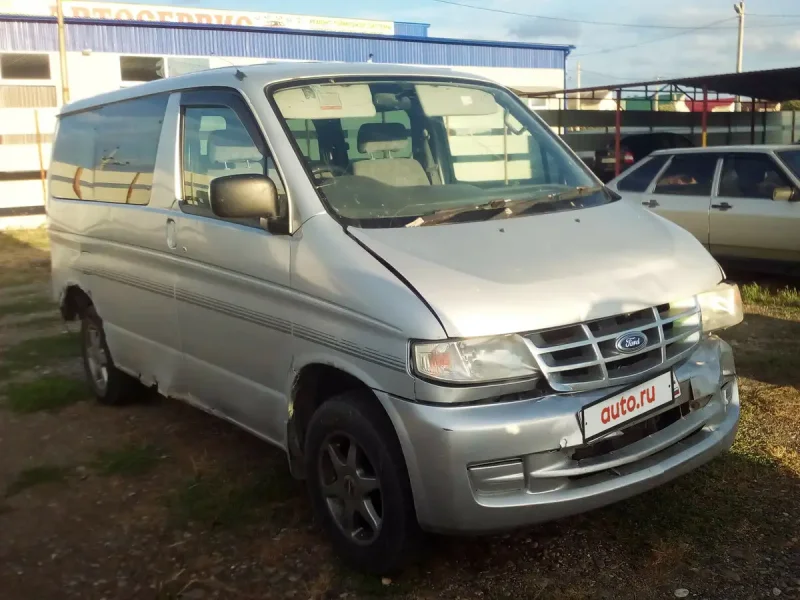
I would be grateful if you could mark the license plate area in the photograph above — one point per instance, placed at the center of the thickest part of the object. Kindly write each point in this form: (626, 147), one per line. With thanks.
(613, 412)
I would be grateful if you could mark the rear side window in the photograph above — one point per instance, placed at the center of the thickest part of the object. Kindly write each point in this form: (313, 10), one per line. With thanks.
(688, 175)
(639, 179)
(108, 154)
(750, 176)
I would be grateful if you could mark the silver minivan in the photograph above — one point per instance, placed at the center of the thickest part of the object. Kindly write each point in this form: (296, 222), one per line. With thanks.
(401, 277)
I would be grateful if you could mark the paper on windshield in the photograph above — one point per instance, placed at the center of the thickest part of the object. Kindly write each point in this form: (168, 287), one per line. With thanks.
(450, 100)
(326, 102)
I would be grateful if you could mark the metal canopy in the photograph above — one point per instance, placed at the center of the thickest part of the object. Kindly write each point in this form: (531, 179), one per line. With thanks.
(774, 85)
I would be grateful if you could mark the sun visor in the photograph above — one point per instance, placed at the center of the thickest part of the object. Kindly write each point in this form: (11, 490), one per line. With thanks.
(451, 101)
(326, 102)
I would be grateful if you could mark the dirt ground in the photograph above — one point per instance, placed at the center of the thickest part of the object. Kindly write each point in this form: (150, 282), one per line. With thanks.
(156, 500)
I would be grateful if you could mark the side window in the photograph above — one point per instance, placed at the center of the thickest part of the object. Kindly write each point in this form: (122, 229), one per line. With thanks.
(108, 154)
(72, 165)
(216, 143)
(688, 175)
(638, 180)
(750, 176)
(126, 144)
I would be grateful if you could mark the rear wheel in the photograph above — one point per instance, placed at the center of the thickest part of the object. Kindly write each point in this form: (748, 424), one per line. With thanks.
(359, 485)
(109, 384)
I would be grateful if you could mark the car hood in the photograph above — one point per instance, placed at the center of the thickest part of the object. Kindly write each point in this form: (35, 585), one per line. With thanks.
(536, 272)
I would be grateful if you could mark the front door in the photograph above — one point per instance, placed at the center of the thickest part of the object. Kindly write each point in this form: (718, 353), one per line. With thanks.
(682, 192)
(233, 285)
(746, 223)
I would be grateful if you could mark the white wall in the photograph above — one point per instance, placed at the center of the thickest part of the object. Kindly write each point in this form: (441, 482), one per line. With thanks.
(92, 74)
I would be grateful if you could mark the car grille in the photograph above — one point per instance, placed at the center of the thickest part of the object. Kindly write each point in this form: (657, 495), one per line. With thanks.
(584, 356)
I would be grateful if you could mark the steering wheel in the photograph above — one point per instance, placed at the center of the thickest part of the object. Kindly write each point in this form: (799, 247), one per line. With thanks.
(334, 170)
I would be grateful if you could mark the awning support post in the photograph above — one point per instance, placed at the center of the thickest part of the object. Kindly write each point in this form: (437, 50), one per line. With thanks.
(705, 116)
(753, 121)
(617, 136)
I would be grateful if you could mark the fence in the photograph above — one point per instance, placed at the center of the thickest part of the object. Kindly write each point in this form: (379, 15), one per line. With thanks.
(26, 136)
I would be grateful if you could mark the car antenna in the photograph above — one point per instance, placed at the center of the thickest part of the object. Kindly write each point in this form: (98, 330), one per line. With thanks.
(239, 74)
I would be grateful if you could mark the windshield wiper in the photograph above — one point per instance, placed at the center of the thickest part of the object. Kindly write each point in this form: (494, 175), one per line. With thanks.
(553, 198)
(445, 214)
(505, 208)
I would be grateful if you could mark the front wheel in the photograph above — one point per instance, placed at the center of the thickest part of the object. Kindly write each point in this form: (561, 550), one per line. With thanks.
(109, 384)
(359, 485)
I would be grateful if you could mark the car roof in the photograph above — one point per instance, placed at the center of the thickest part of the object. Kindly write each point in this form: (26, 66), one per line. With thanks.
(265, 74)
(717, 149)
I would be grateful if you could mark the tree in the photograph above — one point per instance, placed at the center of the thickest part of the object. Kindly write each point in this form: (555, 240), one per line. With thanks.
(791, 105)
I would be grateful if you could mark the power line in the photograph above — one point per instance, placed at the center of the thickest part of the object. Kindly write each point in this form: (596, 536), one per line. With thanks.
(749, 14)
(655, 40)
(564, 19)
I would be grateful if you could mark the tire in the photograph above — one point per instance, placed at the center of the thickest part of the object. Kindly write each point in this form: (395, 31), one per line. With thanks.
(357, 417)
(109, 385)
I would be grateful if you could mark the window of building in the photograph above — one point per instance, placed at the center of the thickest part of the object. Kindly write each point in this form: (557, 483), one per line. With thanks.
(216, 144)
(109, 154)
(28, 96)
(24, 66)
(181, 66)
(751, 176)
(688, 175)
(638, 180)
(137, 69)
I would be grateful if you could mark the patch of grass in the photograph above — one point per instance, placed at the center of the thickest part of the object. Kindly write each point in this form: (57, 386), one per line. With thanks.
(34, 321)
(129, 461)
(218, 501)
(47, 393)
(23, 306)
(753, 293)
(37, 476)
(36, 352)
(24, 256)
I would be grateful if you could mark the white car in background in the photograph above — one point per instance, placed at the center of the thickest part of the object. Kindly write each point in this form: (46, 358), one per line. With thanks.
(741, 202)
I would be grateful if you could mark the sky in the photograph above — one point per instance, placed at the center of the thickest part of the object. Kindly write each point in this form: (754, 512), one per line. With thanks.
(607, 54)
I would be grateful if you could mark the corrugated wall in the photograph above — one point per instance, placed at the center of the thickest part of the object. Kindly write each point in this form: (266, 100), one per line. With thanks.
(411, 29)
(38, 34)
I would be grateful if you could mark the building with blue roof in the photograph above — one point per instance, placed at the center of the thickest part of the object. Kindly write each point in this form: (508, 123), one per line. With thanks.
(111, 45)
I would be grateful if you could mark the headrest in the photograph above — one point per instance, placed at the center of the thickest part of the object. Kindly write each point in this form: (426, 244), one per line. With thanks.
(377, 137)
(232, 145)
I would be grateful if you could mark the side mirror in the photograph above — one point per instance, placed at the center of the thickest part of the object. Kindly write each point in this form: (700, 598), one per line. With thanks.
(784, 194)
(244, 196)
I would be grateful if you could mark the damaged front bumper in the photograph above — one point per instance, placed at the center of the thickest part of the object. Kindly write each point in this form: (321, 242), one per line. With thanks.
(484, 468)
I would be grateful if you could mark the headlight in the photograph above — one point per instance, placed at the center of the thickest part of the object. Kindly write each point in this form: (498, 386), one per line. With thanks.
(721, 307)
(477, 360)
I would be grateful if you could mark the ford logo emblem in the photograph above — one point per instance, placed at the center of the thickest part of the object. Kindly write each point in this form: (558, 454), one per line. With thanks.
(631, 342)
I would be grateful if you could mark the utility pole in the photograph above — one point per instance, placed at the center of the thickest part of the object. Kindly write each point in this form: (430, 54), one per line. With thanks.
(578, 85)
(739, 8)
(62, 51)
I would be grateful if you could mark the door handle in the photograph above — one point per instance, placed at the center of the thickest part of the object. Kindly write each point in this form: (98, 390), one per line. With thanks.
(723, 206)
(172, 236)
(651, 204)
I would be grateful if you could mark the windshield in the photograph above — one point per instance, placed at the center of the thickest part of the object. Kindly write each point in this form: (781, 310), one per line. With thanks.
(393, 153)
(791, 158)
